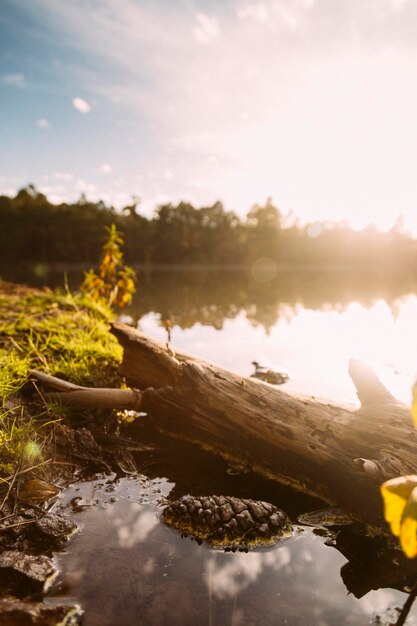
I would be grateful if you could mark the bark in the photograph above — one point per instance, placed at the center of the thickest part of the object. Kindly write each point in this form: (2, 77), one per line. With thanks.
(68, 393)
(332, 451)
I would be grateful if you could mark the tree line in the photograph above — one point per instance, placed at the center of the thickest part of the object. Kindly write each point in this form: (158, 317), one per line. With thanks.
(34, 230)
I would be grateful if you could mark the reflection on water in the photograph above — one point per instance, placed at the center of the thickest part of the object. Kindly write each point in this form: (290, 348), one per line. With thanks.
(127, 568)
(312, 346)
(211, 297)
(191, 296)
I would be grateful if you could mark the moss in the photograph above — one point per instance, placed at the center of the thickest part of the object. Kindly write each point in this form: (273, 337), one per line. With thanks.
(63, 334)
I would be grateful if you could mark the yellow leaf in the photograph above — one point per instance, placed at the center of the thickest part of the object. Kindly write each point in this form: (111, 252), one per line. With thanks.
(36, 491)
(408, 533)
(396, 493)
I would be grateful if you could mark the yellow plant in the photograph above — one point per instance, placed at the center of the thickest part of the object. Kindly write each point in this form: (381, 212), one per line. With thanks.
(115, 281)
(400, 503)
(400, 508)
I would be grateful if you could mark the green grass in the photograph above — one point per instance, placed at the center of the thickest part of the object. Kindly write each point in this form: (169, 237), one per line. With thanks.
(62, 334)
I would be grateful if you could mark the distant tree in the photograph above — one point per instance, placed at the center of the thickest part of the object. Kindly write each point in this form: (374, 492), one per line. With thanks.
(34, 230)
(263, 225)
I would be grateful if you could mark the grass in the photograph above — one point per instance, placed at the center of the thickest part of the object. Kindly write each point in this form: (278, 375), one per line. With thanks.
(61, 333)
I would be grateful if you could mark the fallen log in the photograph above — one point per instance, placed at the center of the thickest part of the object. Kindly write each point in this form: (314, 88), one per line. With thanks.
(337, 453)
(334, 452)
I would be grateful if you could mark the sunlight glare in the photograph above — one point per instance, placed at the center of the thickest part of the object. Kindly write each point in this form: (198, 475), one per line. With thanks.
(314, 346)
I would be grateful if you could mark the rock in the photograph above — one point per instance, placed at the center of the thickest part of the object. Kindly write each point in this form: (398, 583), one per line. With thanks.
(15, 612)
(54, 528)
(79, 446)
(326, 518)
(23, 575)
(30, 528)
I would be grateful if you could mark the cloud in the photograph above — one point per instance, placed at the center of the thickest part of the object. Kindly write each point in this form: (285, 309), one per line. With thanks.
(81, 105)
(106, 168)
(295, 98)
(207, 28)
(14, 80)
(43, 123)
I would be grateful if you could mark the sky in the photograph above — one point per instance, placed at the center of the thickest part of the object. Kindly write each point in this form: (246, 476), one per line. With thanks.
(311, 102)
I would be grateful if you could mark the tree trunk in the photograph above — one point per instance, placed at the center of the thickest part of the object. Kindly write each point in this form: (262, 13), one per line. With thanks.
(334, 452)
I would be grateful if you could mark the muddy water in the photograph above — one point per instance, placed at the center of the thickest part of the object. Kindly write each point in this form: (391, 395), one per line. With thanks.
(125, 567)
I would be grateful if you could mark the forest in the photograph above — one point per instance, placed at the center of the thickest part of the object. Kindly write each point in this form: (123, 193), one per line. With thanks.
(34, 230)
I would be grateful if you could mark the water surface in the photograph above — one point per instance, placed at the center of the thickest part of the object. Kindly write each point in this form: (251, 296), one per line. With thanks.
(127, 568)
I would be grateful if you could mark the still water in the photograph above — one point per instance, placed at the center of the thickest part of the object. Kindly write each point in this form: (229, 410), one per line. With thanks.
(308, 324)
(125, 567)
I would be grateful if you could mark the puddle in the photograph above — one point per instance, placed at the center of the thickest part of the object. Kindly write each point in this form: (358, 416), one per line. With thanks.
(126, 567)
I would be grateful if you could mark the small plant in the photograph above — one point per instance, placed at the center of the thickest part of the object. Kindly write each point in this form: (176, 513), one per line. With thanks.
(115, 281)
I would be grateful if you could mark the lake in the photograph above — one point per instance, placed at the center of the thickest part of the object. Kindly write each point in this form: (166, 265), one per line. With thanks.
(125, 567)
